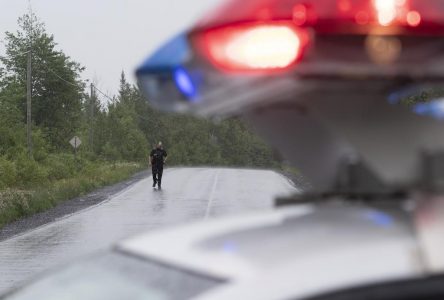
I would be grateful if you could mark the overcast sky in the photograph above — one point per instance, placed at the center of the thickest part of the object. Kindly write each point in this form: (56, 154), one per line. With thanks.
(107, 36)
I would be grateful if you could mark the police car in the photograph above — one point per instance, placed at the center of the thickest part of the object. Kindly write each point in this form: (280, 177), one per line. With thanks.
(306, 251)
(330, 84)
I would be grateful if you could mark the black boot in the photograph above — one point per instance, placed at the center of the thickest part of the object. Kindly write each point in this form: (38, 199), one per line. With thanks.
(154, 184)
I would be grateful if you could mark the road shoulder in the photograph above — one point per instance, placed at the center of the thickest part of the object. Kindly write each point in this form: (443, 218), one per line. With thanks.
(68, 207)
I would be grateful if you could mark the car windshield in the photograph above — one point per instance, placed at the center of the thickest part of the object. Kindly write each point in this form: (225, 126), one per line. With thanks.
(132, 119)
(116, 276)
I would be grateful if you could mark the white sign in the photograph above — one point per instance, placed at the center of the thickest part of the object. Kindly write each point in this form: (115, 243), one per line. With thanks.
(75, 142)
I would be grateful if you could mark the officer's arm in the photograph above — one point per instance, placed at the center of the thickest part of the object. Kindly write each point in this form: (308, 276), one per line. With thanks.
(165, 156)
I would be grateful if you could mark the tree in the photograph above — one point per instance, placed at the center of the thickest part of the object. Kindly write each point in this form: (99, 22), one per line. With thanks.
(12, 130)
(117, 127)
(57, 89)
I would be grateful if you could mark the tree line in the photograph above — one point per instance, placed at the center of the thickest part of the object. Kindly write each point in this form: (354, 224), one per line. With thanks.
(122, 128)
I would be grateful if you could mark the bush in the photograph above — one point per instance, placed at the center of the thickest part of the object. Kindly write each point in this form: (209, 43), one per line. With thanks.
(8, 173)
(61, 166)
(13, 205)
(110, 152)
(40, 146)
(90, 156)
(30, 172)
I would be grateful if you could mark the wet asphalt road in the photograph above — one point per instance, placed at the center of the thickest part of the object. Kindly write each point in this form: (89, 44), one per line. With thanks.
(189, 194)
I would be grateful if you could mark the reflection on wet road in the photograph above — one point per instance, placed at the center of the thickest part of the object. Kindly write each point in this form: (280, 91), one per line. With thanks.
(189, 195)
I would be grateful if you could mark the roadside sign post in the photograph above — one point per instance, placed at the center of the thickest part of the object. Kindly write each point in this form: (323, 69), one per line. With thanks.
(75, 143)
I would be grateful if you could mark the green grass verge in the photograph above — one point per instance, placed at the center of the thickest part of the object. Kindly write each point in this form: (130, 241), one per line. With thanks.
(18, 203)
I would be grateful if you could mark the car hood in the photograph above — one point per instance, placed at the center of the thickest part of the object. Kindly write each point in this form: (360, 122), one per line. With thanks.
(291, 251)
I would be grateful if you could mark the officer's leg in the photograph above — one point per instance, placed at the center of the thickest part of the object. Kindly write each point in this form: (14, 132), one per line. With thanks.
(159, 176)
(154, 172)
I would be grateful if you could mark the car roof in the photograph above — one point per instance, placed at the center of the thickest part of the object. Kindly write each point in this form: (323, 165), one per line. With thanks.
(290, 252)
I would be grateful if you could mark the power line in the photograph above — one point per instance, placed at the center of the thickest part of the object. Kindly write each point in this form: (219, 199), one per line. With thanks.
(73, 84)
(105, 95)
(76, 85)
(140, 116)
(93, 86)
(143, 118)
(57, 75)
(61, 78)
(22, 53)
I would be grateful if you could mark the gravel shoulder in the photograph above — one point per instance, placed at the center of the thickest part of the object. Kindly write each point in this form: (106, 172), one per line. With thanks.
(68, 207)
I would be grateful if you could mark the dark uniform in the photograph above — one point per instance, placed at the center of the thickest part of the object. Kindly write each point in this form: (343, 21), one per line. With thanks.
(158, 156)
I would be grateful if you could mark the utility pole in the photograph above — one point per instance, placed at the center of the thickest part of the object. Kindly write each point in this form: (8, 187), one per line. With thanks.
(29, 86)
(91, 118)
(28, 103)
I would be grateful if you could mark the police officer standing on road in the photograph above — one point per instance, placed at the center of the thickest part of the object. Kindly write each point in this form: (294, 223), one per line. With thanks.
(158, 158)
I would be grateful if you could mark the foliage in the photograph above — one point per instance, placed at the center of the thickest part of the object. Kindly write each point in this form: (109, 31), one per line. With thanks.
(17, 203)
(124, 129)
(8, 173)
(115, 133)
(30, 172)
(57, 103)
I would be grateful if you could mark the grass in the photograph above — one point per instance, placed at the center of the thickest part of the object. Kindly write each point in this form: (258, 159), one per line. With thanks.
(16, 203)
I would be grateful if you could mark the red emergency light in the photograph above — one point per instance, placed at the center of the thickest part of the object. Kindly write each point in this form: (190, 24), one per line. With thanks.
(270, 35)
(258, 46)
